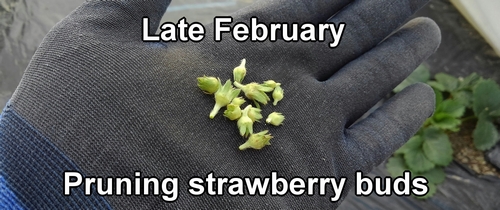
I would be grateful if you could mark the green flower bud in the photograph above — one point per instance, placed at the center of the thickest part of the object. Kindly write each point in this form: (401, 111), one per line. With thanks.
(254, 114)
(208, 85)
(233, 112)
(240, 71)
(245, 123)
(275, 118)
(277, 94)
(257, 141)
(255, 91)
(223, 97)
(238, 101)
(270, 83)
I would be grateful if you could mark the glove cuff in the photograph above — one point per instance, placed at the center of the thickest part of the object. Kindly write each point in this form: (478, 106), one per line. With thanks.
(32, 168)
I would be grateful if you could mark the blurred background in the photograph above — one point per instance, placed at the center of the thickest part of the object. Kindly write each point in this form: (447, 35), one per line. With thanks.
(469, 40)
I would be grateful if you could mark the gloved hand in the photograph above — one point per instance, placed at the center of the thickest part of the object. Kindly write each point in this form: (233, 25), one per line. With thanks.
(97, 99)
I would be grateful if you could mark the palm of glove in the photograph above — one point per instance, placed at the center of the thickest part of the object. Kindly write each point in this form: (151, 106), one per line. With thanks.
(115, 104)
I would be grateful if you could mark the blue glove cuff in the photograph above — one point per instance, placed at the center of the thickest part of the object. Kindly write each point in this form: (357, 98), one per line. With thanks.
(32, 168)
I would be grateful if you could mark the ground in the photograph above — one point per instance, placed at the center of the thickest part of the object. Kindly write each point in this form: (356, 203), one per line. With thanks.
(465, 153)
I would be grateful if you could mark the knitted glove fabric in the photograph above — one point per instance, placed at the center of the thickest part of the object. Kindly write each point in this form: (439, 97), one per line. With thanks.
(97, 99)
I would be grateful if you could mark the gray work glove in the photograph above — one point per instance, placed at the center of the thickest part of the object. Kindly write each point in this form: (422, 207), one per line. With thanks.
(107, 104)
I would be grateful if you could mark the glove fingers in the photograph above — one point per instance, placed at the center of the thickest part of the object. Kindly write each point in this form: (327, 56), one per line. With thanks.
(291, 11)
(119, 18)
(361, 33)
(366, 80)
(389, 127)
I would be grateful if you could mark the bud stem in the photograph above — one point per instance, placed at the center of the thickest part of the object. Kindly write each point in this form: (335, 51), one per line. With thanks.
(238, 85)
(215, 110)
(244, 146)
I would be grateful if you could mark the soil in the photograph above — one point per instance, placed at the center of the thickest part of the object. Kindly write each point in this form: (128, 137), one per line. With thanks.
(465, 152)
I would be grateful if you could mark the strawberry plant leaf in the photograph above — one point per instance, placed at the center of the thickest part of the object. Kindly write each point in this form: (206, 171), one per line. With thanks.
(416, 160)
(435, 175)
(495, 113)
(445, 121)
(414, 142)
(469, 82)
(421, 74)
(437, 147)
(463, 97)
(439, 97)
(486, 97)
(396, 166)
(449, 82)
(451, 107)
(432, 190)
(485, 134)
(436, 85)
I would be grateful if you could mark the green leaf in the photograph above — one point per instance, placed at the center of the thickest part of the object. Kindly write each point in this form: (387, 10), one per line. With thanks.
(435, 175)
(486, 97)
(463, 97)
(485, 134)
(445, 121)
(416, 160)
(439, 97)
(414, 142)
(396, 166)
(437, 85)
(451, 107)
(432, 190)
(469, 82)
(421, 74)
(437, 147)
(449, 82)
(495, 113)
